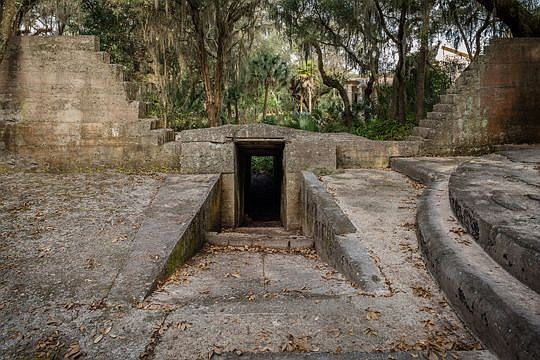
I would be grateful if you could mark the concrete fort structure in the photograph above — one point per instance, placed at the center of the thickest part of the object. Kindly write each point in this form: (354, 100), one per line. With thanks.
(64, 105)
(125, 239)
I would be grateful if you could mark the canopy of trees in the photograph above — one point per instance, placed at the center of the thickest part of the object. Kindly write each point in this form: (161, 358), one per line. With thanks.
(365, 66)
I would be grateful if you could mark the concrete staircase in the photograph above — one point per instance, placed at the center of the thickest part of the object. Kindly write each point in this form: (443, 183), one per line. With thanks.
(135, 92)
(435, 128)
(263, 237)
(491, 103)
(77, 106)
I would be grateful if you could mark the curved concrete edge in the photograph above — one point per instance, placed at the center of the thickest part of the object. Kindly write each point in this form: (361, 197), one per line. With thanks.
(516, 251)
(335, 237)
(426, 169)
(171, 233)
(399, 355)
(500, 310)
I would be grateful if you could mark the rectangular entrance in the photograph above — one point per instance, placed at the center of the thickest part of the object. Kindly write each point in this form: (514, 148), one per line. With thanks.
(259, 183)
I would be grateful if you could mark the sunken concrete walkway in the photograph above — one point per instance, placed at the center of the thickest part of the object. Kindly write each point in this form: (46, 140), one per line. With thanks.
(64, 241)
(65, 238)
(248, 301)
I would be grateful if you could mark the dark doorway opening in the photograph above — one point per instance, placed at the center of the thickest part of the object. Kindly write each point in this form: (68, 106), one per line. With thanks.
(259, 187)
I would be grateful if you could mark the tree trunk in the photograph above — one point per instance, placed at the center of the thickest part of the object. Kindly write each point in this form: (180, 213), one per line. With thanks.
(421, 62)
(11, 14)
(265, 103)
(399, 108)
(521, 21)
(8, 17)
(368, 92)
(310, 105)
(236, 114)
(335, 84)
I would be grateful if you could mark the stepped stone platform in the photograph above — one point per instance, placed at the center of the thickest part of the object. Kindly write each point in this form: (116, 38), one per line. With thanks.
(467, 254)
(497, 199)
(266, 237)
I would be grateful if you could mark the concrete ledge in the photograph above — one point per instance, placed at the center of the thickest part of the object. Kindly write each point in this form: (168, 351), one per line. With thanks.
(496, 201)
(183, 209)
(499, 309)
(357, 153)
(334, 236)
(464, 355)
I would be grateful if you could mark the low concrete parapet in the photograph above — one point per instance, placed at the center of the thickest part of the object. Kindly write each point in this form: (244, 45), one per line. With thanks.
(184, 208)
(334, 236)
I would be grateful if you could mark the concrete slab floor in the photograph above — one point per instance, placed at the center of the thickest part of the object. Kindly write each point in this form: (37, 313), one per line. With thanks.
(251, 301)
(64, 237)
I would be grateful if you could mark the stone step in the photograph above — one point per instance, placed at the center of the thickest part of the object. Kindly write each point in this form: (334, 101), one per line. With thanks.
(277, 238)
(435, 115)
(424, 132)
(429, 123)
(57, 43)
(140, 107)
(415, 138)
(74, 57)
(441, 107)
(449, 99)
(163, 136)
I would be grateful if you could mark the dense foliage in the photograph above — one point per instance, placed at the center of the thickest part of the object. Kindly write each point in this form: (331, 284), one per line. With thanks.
(369, 67)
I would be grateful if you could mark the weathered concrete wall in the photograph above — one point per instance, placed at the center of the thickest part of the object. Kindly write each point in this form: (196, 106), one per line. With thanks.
(334, 236)
(495, 101)
(63, 104)
(207, 151)
(174, 229)
(354, 152)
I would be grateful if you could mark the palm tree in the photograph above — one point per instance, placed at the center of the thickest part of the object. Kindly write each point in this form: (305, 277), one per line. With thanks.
(306, 74)
(271, 71)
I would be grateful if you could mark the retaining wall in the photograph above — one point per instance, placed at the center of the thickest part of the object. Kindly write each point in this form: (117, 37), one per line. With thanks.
(334, 236)
(173, 230)
(63, 104)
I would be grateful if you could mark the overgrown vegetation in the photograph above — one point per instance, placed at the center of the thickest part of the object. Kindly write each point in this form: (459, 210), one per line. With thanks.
(367, 67)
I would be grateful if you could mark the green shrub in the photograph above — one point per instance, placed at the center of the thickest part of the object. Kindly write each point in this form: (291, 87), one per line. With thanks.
(262, 164)
(382, 129)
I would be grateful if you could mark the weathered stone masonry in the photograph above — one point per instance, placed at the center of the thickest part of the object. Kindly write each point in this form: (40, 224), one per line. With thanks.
(496, 100)
(63, 104)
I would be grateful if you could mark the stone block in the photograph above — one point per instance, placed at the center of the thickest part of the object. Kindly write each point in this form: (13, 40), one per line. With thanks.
(207, 158)
(291, 193)
(228, 209)
(308, 153)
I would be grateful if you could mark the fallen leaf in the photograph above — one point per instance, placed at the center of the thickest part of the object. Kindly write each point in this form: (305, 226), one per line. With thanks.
(73, 352)
(428, 324)
(371, 332)
(422, 292)
(458, 230)
(183, 325)
(98, 338)
(373, 314)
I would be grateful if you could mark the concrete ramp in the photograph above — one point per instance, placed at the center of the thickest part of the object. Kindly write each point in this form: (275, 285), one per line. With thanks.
(183, 209)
